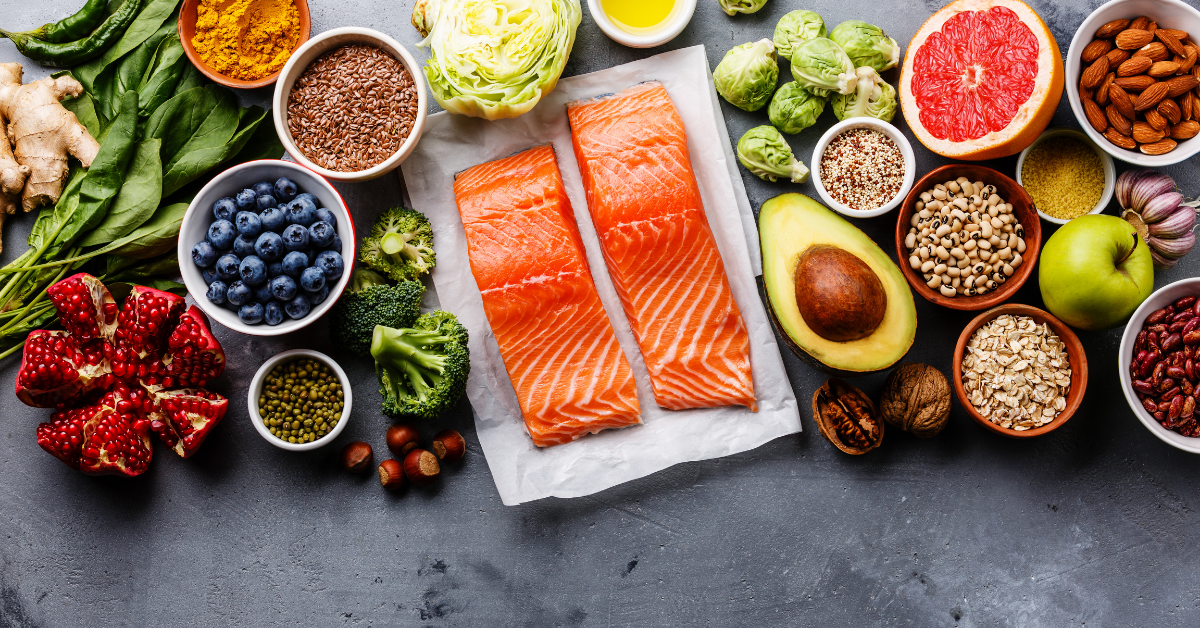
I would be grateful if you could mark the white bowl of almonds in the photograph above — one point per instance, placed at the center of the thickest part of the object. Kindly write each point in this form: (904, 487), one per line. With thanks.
(1142, 121)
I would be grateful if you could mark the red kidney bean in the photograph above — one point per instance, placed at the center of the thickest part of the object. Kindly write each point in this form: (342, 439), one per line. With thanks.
(1143, 386)
(1189, 407)
(1156, 376)
(1177, 327)
(1192, 337)
(1196, 308)
(1175, 408)
(1185, 303)
(1159, 329)
(1164, 384)
(1157, 316)
(1174, 392)
(1182, 316)
(1164, 407)
(1140, 343)
(1172, 342)
(1150, 405)
(1152, 341)
(1176, 372)
(1160, 417)
(1190, 368)
(1188, 352)
(1141, 355)
(1191, 324)
(1187, 387)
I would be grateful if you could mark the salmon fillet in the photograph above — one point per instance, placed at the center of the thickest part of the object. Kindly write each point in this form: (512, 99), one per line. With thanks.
(660, 252)
(570, 375)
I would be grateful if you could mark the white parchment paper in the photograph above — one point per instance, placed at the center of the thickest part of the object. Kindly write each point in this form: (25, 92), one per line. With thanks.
(523, 472)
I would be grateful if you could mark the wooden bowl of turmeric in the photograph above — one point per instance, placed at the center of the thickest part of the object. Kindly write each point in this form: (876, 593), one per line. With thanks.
(226, 46)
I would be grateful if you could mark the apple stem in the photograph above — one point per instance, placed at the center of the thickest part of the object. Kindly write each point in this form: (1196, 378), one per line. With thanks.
(1131, 249)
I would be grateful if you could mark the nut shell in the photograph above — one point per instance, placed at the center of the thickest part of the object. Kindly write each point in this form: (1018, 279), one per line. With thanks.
(835, 388)
(357, 457)
(421, 467)
(916, 399)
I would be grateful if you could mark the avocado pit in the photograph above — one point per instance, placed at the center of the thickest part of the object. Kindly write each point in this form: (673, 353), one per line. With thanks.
(840, 297)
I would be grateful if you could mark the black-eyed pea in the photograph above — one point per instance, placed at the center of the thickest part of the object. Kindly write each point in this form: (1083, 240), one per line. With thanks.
(924, 213)
(970, 292)
(1016, 261)
(980, 290)
(997, 223)
(939, 269)
(970, 245)
(942, 253)
(985, 229)
(947, 291)
(958, 253)
(947, 243)
(956, 226)
(964, 263)
(993, 199)
(1008, 270)
(959, 215)
(954, 271)
(1004, 253)
(953, 187)
(978, 268)
(994, 258)
(995, 240)
(969, 281)
(993, 211)
(954, 283)
(1020, 244)
(985, 245)
(924, 252)
(915, 262)
(910, 240)
(928, 265)
(926, 196)
(935, 282)
(960, 204)
(942, 230)
(940, 194)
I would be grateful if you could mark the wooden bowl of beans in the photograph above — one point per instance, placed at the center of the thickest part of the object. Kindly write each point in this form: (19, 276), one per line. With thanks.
(967, 237)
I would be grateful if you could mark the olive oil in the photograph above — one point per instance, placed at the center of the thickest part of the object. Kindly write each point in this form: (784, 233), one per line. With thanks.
(638, 16)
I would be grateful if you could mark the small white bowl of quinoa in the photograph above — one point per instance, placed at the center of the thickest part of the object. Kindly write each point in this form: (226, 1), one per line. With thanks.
(1067, 175)
(863, 167)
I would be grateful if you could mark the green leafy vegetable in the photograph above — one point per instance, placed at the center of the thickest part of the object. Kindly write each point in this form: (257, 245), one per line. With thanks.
(731, 7)
(422, 370)
(400, 244)
(137, 200)
(822, 67)
(747, 76)
(371, 300)
(764, 152)
(148, 21)
(797, 27)
(872, 97)
(867, 45)
(794, 108)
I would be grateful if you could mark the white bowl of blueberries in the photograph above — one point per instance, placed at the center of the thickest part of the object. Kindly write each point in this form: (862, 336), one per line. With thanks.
(264, 247)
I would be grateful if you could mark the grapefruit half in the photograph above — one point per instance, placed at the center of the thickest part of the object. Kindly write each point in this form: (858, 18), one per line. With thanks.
(981, 79)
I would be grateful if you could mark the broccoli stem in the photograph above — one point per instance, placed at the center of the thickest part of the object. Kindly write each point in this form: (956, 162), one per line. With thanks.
(404, 349)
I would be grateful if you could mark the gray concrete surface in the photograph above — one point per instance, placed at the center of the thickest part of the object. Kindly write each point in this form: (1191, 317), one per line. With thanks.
(1095, 524)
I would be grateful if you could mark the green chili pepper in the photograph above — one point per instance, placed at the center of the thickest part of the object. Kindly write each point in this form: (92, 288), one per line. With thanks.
(73, 27)
(71, 53)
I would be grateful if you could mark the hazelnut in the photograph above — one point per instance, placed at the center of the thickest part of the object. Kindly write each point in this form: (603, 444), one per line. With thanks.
(391, 475)
(421, 467)
(357, 457)
(401, 439)
(449, 446)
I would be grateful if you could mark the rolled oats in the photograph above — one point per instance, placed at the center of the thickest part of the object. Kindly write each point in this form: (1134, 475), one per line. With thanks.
(1017, 373)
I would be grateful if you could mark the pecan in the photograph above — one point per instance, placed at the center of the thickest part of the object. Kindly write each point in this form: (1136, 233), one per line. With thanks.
(846, 417)
(1151, 96)
(1096, 49)
(1132, 38)
(1160, 147)
(1110, 30)
(1135, 66)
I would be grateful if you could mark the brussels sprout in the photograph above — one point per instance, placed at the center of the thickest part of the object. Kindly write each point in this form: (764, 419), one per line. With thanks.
(796, 27)
(872, 97)
(746, 77)
(794, 108)
(867, 45)
(822, 67)
(764, 152)
(741, 6)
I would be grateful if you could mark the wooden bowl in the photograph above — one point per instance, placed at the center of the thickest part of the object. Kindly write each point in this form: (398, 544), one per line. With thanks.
(1079, 369)
(187, 30)
(1023, 208)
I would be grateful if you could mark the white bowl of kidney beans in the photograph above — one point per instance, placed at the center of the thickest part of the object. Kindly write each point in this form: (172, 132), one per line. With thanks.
(1159, 362)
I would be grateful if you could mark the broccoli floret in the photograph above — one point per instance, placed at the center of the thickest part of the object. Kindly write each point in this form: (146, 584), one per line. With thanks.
(423, 369)
(400, 244)
(372, 300)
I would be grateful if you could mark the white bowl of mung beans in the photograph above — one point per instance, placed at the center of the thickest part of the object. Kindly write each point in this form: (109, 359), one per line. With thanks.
(309, 387)
(1067, 175)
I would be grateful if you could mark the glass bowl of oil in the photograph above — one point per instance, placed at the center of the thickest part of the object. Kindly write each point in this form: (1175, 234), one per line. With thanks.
(642, 23)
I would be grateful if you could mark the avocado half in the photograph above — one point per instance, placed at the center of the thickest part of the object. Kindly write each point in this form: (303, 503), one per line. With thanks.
(791, 224)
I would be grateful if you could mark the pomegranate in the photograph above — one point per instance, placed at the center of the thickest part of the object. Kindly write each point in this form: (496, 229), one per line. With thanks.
(116, 374)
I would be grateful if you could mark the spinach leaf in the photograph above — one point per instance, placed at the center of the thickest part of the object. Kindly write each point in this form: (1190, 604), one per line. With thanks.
(149, 19)
(191, 79)
(82, 106)
(117, 268)
(137, 200)
(158, 83)
(48, 220)
(195, 158)
(156, 237)
(209, 110)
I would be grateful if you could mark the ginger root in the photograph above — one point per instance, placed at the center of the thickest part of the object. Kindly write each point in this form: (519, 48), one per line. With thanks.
(12, 179)
(43, 132)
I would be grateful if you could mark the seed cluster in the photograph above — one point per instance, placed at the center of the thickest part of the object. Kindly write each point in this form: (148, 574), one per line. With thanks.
(862, 169)
(964, 239)
(301, 401)
(352, 108)
(1064, 177)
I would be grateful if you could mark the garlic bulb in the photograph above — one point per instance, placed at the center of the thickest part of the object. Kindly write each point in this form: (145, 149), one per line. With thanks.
(1161, 215)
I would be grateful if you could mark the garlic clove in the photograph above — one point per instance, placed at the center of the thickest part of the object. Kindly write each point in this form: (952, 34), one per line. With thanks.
(1175, 225)
(1161, 206)
(1173, 248)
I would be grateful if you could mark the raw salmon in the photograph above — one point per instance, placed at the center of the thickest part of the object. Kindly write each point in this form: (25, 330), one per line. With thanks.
(644, 201)
(558, 346)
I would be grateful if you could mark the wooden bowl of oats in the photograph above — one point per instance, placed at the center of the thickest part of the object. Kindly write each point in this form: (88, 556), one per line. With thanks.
(1010, 373)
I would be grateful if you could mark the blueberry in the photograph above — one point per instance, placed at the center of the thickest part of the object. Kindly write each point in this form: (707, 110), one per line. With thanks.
(231, 307)
(227, 266)
(251, 313)
(203, 254)
(221, 234)
(247, 223)
(294, 263)
(216, 292)
(316, 297)
(224, 209)
(253, 271)
(243, 245)
(269, 246)
(245, 199)
(265, 201)
(298, 307)
(262, 188)
(272, 219)
(330, 263)
(274, 269)
(312, 279)
(324, 215)
(336, 245)
(283, 288)
(209, 274)
(285, 189)
(273, 313)
(308, 196)
(295, 238)
(262, 294)
(301, 212)
(238, 293)
(321, 233)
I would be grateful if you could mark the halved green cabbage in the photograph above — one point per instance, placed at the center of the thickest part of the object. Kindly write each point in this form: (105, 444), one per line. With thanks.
(747, 76)
(872, 97)
(495, 59)
(822, 67)
(764, 152)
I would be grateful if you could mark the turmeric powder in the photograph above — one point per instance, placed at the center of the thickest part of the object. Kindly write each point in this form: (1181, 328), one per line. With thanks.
(246, 39)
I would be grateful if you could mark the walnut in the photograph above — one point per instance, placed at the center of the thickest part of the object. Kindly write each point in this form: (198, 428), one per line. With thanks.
(916, 399)
(847, 417)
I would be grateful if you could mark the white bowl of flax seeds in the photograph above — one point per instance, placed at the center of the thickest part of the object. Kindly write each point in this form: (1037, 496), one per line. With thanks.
(350, 104)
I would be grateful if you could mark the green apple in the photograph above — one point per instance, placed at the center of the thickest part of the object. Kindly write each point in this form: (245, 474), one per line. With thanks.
(1095, 271)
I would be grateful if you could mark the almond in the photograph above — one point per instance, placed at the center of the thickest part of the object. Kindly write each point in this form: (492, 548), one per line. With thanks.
(1176, 33)
(1185, 130)
(1156, 120)
(1120, 99)
(1160, 69)
(1185, 106)
(1160, 147)
(1135, 66)
(1096, 116)
(1094, 75)
(1143, 133)
(1140, 23)
(1096, 49)
(1150, 97)
(1154, 51)
(1170, 110)
(1189, 59)
(1110, 30)
(1117, 56)
(1151, 27)
(1181, 84)
(1101, 96)
(1120, 140)
(1169, 40)
(1118, 122)
(1132, 39)
(1134, 83)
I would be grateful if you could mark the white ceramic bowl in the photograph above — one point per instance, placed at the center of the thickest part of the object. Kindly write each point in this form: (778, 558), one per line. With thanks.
(1106, 162)
(319, 45)
(1163, 296)
(256, 387)
(671, 27)
(910, 165)
(1169, 14)
(199, 216)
